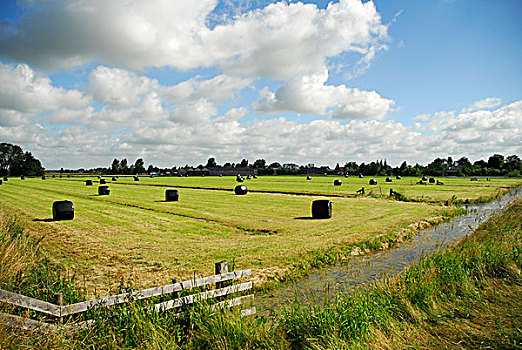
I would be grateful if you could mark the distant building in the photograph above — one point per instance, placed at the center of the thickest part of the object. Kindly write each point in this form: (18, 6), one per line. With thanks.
(229, 171)
(454, 170)
(290, 166)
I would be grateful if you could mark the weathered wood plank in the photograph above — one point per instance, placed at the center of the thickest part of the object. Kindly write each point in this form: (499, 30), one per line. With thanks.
(29, 303)
(26, 323)
(189, 299)
(151, 292)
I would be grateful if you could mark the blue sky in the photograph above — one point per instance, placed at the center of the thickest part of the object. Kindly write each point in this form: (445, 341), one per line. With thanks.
(321, 82)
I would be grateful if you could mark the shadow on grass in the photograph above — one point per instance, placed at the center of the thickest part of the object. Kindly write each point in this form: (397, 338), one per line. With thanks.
(305, 218)
(44, 220)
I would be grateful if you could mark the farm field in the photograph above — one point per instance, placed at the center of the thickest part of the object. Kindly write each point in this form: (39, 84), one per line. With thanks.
(461, 188)
(133, 234)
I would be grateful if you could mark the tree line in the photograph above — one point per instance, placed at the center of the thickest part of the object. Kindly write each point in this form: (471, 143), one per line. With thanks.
(15, 162)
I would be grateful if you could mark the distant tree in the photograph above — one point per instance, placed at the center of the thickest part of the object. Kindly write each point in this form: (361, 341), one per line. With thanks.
(496, 161)
(244, 163)
(139, 167)
(227, 165)
(124, 167)
(211, 162)
(449, 162)
(259, 164)
(14, 162)
(275, 165)
(513, 163)
(115, 166)
(150, 169)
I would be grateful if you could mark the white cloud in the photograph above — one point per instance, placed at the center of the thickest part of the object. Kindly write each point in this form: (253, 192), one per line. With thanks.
(310, 94)
(490, 102)
(24, 90)
(217, 89)
(281, 41)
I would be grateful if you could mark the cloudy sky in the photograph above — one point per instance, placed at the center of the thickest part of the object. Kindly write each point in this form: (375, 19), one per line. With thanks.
(176, 82)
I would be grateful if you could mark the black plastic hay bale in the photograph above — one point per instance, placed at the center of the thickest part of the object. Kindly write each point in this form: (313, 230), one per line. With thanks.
(136, 178)
(240, 179)
(241, 189)
(425, 178)
(220, 175)
(338, 182)
(249, 177)
(61, 176)
(54, 176)
(388, 179)
(63, 210)
(361, 176)
(43, 177)
(104, 190)
(322, 209)
(1, 182)
(309, 177)
(6, 178)
(152, 176)
(114, 178)
(345, 175)
(22, 177)
(103, 181)
(398, 177)
(255, 176)
(171, 195)
(432, 180)
(88, 182)
(68, 175)
(99, 177)
(373, 182)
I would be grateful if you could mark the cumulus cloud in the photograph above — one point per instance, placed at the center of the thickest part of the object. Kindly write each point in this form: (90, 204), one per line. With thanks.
(490, 102)
(218, 89)
(310, 94)
(281, 40)
(24, 90)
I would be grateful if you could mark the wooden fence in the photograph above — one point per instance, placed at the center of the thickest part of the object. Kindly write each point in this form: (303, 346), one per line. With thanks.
(222, 278)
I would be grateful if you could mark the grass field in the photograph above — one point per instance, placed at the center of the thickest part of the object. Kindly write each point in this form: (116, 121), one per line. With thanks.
(133, 234)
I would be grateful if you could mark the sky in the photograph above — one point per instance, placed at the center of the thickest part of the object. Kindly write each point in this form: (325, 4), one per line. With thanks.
(176, 82)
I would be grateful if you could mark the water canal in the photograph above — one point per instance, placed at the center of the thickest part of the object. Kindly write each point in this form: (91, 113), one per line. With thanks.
(368, 268)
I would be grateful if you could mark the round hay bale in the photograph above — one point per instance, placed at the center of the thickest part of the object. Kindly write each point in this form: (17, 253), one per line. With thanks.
(432, 180)
(136, 178)
(152, 176)
(99, 177)
(88, 182)
(240, 179)
(249, 177)
(68, 175)
(425, 178)
(255, 176)
(345, 175)
(171, 195)
(388, 179)
(63, 210)
(373, 182)
(241, 190)
(322, 209)
(43, 177)
(186, 175)
(104, 190)
(220, 175)
(338, 182)
(1, 182)
(103, 181)
(114, 178)
(61, 176)
(54, 176)
(361, 176)
(22, 177)
(6, 178)
(309, 177)
(398, 177)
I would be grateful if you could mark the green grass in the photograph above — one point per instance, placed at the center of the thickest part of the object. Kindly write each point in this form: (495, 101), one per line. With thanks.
(134, 234)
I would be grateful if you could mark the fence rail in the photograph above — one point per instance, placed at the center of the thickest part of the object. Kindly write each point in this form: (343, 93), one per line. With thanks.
(222, 279)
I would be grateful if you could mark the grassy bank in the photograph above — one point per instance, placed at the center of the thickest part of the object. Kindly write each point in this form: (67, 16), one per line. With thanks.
(467, 297)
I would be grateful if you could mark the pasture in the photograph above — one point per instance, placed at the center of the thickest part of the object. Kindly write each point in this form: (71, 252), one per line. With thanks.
(135, 235)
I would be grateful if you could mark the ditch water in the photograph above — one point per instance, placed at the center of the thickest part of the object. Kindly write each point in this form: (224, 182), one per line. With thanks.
(368, 268)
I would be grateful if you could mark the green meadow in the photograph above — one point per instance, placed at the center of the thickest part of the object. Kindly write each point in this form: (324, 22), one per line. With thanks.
(135, 235)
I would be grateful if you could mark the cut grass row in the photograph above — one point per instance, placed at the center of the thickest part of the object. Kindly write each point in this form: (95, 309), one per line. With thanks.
(134, 232)
(460, 188)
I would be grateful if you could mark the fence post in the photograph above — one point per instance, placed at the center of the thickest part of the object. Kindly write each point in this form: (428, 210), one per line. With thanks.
(58, 300)
(220, 268)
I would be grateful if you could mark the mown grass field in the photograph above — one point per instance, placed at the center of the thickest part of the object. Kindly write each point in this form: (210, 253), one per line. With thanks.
(134, 235)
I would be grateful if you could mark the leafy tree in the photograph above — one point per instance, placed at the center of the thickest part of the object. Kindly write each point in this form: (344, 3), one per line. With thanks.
(124, 167)
(496, 161)
(211, 163)
(513, 163)
(244, 163)
(259, 163)
(275, 165)
(139, 166)
(15, 162)
(115, 166)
